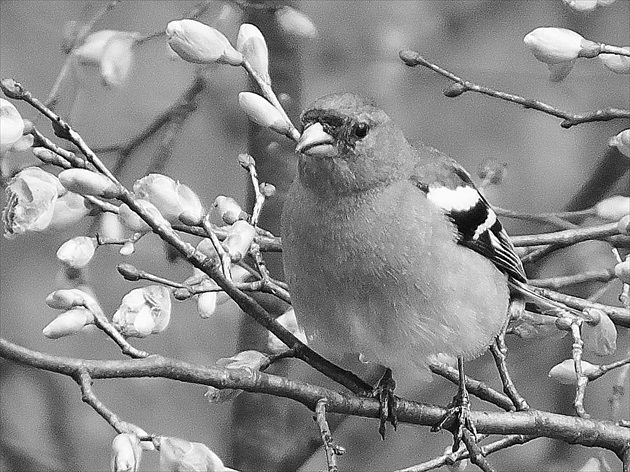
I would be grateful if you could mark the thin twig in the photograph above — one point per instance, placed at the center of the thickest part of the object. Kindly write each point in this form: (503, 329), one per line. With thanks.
(330, 448)
(603, 275)
(499, 352)
(412, 58)
(582, 380)
(567, 237)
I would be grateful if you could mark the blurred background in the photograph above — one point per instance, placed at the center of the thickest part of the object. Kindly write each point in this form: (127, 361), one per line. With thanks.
(45, 426)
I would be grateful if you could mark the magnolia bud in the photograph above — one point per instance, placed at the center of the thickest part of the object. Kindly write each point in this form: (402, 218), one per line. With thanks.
(592, 465)
(178, 455)
(289, 321)
(622, 271)
(77, 252)
(91, 51)
(143, 311)
(206, 304)
(623, 226)
(126, 453)
(69, 322)
(621, 142)
(613, 208)
(564, 372)
(86, 182)
(617, 63)
(251, 43)
(239, 238)
(199, 43)
(227, 209)
(65, 299)
(11, 125)
(294, 22)
(134, 222)
(263, 113)
(117, 58)
(554, 45)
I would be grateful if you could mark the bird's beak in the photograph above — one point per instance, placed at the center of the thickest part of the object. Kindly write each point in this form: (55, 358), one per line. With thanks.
(316, 142)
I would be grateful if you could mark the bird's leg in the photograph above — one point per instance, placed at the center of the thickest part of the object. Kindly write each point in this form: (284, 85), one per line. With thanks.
(459, 409)
(384, 392)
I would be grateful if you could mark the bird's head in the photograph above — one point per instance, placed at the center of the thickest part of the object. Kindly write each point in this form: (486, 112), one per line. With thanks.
(348, 146)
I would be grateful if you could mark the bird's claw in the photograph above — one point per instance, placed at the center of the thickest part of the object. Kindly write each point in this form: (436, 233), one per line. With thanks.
(384, 393)
(458, 413)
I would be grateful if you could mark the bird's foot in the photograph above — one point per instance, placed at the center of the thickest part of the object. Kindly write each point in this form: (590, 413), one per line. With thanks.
(457, 414)
(384, 393)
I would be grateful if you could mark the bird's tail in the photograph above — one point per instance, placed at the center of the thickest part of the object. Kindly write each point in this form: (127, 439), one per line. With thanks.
(544, 304)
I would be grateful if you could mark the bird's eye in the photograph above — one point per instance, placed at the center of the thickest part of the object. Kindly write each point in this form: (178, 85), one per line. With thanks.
(360, 130)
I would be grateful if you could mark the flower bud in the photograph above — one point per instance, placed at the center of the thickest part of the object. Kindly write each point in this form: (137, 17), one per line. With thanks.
(68, 210)
(77, 252)
(622, 271)
(143, 311)
(227, 209)
(31, 197)
(87, 182)
(69, 322)
(117, 58)
(239, 238)
(592, 465)
(91, 51)
(178, 455)
(251, 43)
(11, 125)
(131, 220)
(613, 208)
(268, 190)
(129, 272)
(66, 299)
(199, 43)
(623, 226)
(581, 5)
(621, 142)
(263, 113)
(289, 321)
(564, 372)
(617, 63)
(554, 45)
(294, 22)
(600, 338)
(126, 453)
(206, 304)
(174, 200)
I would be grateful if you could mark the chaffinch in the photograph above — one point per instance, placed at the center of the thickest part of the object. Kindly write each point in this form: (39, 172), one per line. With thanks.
(389, 249)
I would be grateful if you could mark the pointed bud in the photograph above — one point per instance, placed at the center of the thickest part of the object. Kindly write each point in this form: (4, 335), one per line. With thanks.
(11, 125)
(622, 271)
(623, 226)
(117, 58)
(206, 304)
(143, 311)
(294, 22)
(178, 455)
(69, 322)
(613, 208)
(66, 299)
(239, 238)
(86, 182)
(263, 113)
(77, 252)
(199, 43)
(554, 45)
(617, 63)
(126, 453)
(600, 338)
(30, 197)
(564, 372)
(581, 5)
(289, 321)
(129, 272)
(227, 210)
(251, 43)
(621, 142)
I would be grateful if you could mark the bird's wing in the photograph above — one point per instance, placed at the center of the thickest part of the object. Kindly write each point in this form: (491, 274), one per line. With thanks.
(448, 185)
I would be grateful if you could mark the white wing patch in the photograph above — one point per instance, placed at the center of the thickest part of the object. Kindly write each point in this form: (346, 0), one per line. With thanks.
(486, 225)
(453, 199)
